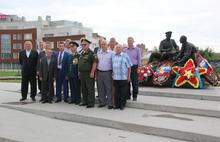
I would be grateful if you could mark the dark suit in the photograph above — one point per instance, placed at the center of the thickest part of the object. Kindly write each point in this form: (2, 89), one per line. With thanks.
(40, 56)
(48, 74)
(61, 82)
(72, 74)
(28, 72)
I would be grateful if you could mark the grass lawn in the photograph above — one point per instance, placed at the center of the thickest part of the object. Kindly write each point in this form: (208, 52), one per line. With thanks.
(8, 73)
(11, 81)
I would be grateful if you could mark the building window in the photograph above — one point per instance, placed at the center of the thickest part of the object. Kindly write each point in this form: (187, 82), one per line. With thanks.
(5, 55)
(49, 44)
(6, 43)
(48, 35)
(17, 46)
(28, 36)
(17, 37)
(15, 55)
(12, 27)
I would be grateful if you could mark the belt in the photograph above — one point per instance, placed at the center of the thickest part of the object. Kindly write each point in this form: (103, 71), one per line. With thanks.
(105, 71)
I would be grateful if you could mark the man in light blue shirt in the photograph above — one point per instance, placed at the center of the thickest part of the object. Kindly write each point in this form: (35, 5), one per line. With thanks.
(104, 75)
(121, 66)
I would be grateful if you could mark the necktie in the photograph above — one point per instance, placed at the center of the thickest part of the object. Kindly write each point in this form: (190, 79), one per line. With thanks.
(60, 59)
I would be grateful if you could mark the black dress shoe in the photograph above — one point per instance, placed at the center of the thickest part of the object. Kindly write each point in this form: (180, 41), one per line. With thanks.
(50, 102)
(70, 102)
(41, 100)
(22, 99)
(77, 103)
(33, 99)
(89, 106)
(82, 104)
(44, 101)
(66, 101)
(116, 107)
(57, 101)
(134, 99)
(101, 106)
(110, 107)
(121, 108)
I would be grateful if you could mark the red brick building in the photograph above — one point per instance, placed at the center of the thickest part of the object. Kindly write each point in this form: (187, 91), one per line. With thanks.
(11, 43)
(55, 40)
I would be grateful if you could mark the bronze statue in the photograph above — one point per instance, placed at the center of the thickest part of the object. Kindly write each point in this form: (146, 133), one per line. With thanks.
(187, 51)
(166, 49)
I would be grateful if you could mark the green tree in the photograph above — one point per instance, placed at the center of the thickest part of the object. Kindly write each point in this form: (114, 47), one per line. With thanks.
(155, 49)
(207, 53)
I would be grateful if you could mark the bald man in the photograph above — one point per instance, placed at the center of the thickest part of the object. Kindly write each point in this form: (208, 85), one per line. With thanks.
(28, 61)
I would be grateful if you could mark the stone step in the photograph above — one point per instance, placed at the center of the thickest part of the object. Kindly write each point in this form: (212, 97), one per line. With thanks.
(177, 105)
(173, 125)
(19, 126)
(211, 93)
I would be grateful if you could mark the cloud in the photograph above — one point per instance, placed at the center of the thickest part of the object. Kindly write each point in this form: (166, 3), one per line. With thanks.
(145, 20)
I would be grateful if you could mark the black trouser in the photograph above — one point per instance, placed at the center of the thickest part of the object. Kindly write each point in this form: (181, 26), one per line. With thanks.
(120, 93)
(48, 89)
(39, 83)
(75, 89)
(24, 85)
(134, 81)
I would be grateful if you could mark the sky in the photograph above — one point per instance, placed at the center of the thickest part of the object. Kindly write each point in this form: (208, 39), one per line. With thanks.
(145, 20)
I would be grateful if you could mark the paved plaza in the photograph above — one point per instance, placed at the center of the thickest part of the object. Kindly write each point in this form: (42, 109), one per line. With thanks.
(159, 115)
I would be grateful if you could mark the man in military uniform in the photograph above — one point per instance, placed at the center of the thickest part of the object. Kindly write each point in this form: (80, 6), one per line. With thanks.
(86, 68)
(165, 49)
(187, 51)
(72, 73)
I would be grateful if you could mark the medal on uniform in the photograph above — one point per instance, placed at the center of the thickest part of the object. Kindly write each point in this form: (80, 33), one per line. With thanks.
(75, 61)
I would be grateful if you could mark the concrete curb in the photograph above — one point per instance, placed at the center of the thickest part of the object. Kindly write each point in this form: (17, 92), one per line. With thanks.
(7, 140)
(181, 95)
(172, 133)
(174, 109)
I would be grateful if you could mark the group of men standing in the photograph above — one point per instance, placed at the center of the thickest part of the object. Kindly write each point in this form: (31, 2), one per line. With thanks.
(76, 68)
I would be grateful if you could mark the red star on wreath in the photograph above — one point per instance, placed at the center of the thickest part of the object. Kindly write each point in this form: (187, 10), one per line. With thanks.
(188, 74)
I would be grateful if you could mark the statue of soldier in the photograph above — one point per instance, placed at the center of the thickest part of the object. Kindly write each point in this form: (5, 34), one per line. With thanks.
(165, 49)
(187, 51)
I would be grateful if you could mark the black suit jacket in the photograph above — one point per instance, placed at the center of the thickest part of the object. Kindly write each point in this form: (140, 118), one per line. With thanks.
(46, 69)
(41, 55)
(28, 65)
